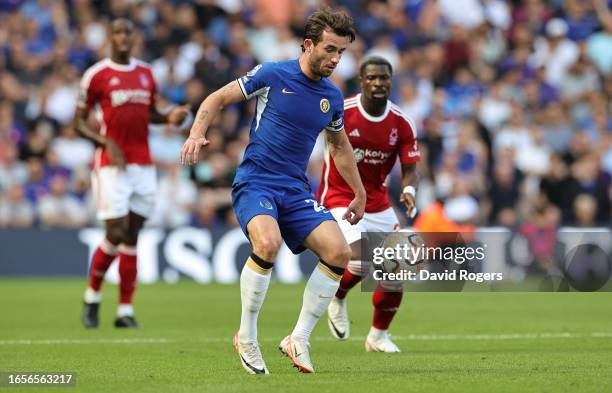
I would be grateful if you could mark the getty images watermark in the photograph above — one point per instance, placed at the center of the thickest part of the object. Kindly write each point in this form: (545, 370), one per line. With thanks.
(494, 260)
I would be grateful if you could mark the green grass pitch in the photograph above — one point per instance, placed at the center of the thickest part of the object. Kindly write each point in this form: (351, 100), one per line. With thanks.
(451, 342)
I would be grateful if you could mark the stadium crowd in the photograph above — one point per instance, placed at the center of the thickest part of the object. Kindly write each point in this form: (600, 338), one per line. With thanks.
(512, 100)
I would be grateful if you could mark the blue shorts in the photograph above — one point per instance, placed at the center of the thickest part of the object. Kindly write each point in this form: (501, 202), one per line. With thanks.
(293, 206)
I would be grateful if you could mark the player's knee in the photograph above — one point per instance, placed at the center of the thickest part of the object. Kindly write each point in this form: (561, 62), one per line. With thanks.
(116, 234)
(129, 238)
(267, 247)
(341, 255)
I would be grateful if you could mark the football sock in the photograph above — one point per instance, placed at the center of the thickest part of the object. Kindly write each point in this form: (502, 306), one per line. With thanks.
(125, 310)
(102, 258)
(348, 281)
(254, 281)
(127, 273)
(92, 296)
(321, 287)
(385, 307)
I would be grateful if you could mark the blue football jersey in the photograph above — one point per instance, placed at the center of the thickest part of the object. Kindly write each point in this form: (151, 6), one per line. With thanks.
(292, 110)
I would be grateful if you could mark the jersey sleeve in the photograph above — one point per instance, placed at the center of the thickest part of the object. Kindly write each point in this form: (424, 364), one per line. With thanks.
(337, 122)
(88, 91)
(257, 80)
(409, 148)
(153, 89)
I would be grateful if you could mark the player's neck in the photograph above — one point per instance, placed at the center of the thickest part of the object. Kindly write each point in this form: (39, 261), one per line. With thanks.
(306, 68)
(373, 107)
(120, 58)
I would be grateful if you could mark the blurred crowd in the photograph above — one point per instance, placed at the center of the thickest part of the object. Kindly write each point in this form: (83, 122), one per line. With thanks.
(512, 100)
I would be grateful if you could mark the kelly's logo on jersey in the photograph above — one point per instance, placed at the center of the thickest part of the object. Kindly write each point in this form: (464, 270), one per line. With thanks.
(324, 105)
(133, 96)
(368, 156)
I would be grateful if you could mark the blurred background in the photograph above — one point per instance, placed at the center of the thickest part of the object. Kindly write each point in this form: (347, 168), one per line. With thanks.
(512, 100)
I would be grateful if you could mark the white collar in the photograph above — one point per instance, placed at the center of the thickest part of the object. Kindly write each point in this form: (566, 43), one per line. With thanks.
(121, 67)
(375, 119)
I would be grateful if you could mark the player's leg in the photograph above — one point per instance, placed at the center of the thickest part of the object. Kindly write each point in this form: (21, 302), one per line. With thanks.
(257, 212)
(143, 190)
(337, 312)
(327, 242)
(265, 238)
(101, 260)
(128, 272)
(386, 302)
(387, 297)
(111, 193)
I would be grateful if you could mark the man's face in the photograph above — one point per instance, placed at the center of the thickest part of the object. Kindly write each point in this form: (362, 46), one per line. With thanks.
(325, 56)
(122, 37)
(376, 82)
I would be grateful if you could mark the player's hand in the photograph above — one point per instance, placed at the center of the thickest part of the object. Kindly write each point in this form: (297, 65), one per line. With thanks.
(178, 114)
(190, 153)
(355, 210)
(408, 200)
(115, 155)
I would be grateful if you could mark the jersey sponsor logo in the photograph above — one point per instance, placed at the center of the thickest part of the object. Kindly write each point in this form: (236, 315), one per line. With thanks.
(412, 154)
(265, 204)
(375, 157)
(133, 96)
(324, 105)
(144, 81)
(316, 206)
(393, 137)
(114, 81)
(355, 133)
(287, 91)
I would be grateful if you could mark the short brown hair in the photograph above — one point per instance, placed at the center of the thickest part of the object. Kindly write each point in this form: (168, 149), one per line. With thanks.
(338, 22)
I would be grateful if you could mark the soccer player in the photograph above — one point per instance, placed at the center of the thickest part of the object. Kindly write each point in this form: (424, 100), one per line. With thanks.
(271, 196)
(123, 176)
(378, 132)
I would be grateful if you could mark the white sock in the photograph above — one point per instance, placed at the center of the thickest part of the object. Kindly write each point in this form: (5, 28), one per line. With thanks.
(253, 288)
(125, 310)
(376, 334)
(318, 293)
(92, 296)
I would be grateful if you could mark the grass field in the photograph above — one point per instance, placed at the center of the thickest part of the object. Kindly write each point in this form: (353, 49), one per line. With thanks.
(451, 342)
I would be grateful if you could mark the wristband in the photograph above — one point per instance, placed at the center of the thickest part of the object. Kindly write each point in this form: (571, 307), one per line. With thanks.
(409, 190)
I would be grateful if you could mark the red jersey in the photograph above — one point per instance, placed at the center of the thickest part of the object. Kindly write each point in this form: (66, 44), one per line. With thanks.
(124, 93)
(376, 141)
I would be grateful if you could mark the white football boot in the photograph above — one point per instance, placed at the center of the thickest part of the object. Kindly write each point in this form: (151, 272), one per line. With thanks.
(250, 357)
(298, 352)
(379, 341)
(337, 319)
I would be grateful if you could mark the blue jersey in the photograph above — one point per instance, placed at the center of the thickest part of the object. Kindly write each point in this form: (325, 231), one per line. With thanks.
(292, 110)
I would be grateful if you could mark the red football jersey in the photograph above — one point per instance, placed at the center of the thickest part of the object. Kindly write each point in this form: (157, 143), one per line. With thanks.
(376, 141)
(124, 94)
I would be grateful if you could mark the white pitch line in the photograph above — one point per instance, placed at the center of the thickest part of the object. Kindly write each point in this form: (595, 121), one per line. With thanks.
(412, 337)
(88, 341)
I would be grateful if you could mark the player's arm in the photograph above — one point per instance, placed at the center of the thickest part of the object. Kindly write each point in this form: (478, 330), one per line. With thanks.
(410, 179)
(342, 152)
(175, 115)
(210, 107)
(115, 155)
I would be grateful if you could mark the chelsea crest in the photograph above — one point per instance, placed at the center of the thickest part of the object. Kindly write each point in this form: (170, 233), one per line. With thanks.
(324, 105)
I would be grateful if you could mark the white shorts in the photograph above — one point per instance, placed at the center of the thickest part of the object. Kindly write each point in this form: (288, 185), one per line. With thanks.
(384, 221)
(118, 192)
